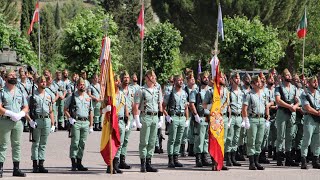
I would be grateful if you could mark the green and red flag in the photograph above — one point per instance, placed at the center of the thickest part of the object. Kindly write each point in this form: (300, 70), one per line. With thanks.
(302, 28)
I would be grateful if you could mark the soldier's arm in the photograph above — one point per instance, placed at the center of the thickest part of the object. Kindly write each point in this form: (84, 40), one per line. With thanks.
(244, 111)
(281, 103)
(66, 107)
(310, 110)
(51, 115)
(135, 109)
(90, 118)
(187, 111)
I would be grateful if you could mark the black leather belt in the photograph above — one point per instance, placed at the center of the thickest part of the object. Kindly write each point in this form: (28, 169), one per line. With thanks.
(82, 119)
(235, 114)
(179, 114)
(121, 118)
(256, 115)
(151, 113)
(41, 116)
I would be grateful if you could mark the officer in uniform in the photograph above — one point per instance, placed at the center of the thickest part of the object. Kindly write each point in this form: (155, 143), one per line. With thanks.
(134, 83)
(311, 127)
(95, 93)
(59, 83)
(52, 89)
(254, 110)
(13, 106)
(81, 123)
(286, 99)
(128, 92)
(175, 107)
(236, 100)
(197, 98)
(43, 124)
(83, 74)
(168, 88)
(149, 101)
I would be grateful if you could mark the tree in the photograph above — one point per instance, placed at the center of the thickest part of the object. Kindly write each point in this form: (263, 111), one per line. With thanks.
(249, 44)
(161, 50)
(26, 15)
(57, 18)
(9, 10)
(82, 41)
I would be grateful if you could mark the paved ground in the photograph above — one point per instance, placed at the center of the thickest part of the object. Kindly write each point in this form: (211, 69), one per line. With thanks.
(58, 164)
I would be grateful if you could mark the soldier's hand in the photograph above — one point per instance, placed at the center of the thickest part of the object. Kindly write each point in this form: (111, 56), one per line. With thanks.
(133, 125)
(247, 124)
(91, 130)
(197, 118)
(267, 124)
(187, 123)
(137, 119)
(168, 119)
(72, 121)
(106, 109)
(161, 119)
(53, 128)
(128, 126)
(33, 124)
(243, 124)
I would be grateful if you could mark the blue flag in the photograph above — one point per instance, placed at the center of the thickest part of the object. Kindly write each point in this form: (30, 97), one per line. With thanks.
(220, 23)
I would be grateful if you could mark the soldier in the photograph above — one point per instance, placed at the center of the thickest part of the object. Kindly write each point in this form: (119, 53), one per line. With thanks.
(2, 74)
(311, 129)
(43, 124)
(59, 83)
(53, 91)
(13, 106)
(286, 99)
(197, 98)
(236, 100)
(83, 74)
(128, 92)
(72, 86)
(95, 93)
(148, 100)
(168, 88)
(175, 107)
(134, 83)
(254, 110)
(246, 88)
(81, 123)
(46, 72)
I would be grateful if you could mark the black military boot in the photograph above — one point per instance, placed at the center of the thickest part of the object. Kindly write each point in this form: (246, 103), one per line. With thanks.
(289, 161)
(60, 126)
(190, 152)
(240, 154)
(263, 158)
(298, 156)
(116, 165)
(35, 167)
(95, 127)
(123, 164)
(143, 165)
(157, 150)
(149, 167)
(228, 159)
(270, 151)
(176, 161)
(315, 162)
(1, 169)
(274, 150)
(252, 165)
(204, 160)
(233, 159)
(304, 163)
(17, 171)
(170, 162)
(80, 167)
(109, 170)
(73, 164)
(198, 160)
(66, 124)
(41, 167)
(256, 162)
(183, 150)
(279, 159)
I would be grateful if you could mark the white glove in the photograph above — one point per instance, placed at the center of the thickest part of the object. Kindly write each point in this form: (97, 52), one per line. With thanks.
(91, 130)
(9, 113)
(197, 118)
(133, 125)
(21, 114)
(168, 119)
(137, 119)
(128, 126)
(267, 124)
(187, 123)
(33, 124)
(209, 106)
(160, 121)
(243, 124)
(106, 109)
(53, 128)
(229, 123)
(246, 123)
(72, 121)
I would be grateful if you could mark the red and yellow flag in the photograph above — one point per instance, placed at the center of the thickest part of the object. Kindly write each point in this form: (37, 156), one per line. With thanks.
(110, 137)
(216, 128)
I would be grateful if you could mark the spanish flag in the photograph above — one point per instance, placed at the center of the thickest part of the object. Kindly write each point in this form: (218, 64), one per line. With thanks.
(110, 137)
(216, 129)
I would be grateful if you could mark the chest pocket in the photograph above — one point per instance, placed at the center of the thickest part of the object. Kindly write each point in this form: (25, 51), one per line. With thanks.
(19, 99)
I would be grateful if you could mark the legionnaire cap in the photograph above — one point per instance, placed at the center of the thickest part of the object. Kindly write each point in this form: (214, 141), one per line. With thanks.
(247, 75)
(235, 74)
(82, 72)
(189, 74)
(150, 73)
(312, 79)
(41, 79)
(175, 77)
(124, 73)
(255, 79)
(116, 77)
(58, 72)
(285, 72)
(81, 80)
(261, 75)
(9, 71)
(205, 73)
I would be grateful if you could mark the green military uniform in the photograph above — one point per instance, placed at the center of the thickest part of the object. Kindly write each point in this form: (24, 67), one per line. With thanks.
(42, 108)
(61, 86)
(225, 101)
(243, 131)
(80, 129)
(9, 129)
(120, 105)
(26, 89)
(53, 90)
(95, 91)
(298, 129)
(176, 112)
(273, 129)
(269, 98)
(284, 122)
(311, 129)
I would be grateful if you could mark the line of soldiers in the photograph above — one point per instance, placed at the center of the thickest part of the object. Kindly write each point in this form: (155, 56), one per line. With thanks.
(281, 116)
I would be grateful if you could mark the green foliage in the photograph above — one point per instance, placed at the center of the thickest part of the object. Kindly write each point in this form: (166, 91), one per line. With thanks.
(82, 41)
(9, 9)
(10, 36)
(26, 15)
(249, 44)
(312, 64)
(161, 50)
(57, 18)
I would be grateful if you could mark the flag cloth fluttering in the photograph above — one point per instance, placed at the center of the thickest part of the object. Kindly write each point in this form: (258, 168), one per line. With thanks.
(35, 18)
(220, 23)
(140, 22)
(302, 27)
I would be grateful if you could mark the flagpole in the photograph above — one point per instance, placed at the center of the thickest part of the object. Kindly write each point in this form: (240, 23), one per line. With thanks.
(141, 63)
(304, 40)
(39, 72)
